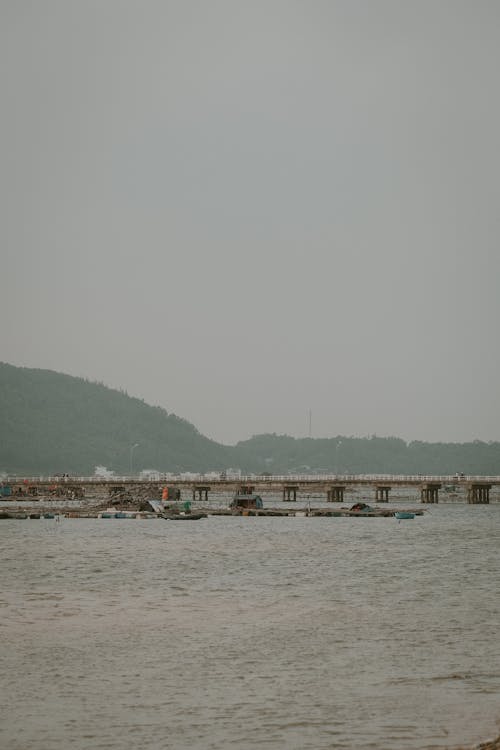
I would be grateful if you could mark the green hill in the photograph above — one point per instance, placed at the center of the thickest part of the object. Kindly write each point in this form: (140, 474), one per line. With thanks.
(53, 423)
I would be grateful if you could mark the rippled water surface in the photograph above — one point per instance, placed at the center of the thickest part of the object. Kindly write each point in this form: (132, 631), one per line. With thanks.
(251, 632)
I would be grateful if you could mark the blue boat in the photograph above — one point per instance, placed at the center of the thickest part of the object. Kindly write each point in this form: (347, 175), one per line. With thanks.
(403, 514)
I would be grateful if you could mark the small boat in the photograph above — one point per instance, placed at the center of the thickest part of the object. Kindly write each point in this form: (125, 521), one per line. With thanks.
(183, 516)
(242, 500)
(403, 514)
(361, 508)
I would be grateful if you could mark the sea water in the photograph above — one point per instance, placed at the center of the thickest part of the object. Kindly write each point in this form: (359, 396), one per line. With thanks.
(243, 632)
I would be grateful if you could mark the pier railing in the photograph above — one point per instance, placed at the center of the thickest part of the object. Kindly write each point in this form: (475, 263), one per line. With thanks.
(188, 478)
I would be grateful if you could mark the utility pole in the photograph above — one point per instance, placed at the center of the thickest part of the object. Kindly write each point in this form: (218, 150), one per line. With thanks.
(338, 444)
(135, 445)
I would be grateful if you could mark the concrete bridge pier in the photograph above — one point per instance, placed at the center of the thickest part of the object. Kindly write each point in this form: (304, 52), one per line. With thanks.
(429, 492)
(201, 489)
(382, 494)
(290, 492)
(335, 494)
(478, 494)
(246, 489)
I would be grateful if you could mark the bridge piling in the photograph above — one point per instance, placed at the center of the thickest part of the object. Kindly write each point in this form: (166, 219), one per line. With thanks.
(246, 489)
(429, 492)
(478, 494)
(335, 494)
(201, 490)
(290, 492)
(382, 494)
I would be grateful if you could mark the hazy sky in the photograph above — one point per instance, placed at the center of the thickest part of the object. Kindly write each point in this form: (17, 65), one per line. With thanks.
(243, 211)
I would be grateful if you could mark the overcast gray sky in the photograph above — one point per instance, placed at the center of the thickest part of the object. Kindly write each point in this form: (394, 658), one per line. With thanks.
(243, 211)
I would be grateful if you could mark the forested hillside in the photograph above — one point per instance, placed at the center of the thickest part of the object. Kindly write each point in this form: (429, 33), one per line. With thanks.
(54, 423)
(369, 455)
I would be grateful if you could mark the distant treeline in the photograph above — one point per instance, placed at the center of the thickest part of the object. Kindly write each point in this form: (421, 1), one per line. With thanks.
(368, 455)
(53, 423)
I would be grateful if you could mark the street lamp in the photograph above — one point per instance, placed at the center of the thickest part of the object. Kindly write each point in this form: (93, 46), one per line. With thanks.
(339, 442)
(135, 445)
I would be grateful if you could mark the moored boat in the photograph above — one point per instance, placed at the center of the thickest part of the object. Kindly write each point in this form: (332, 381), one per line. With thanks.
(403, 514)
(361, 508)
(183, 516)
(246, 501)
(117, 514)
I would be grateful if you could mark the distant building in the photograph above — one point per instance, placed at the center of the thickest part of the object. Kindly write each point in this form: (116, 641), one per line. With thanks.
(233, 473)
(151, 474)
(103, 472)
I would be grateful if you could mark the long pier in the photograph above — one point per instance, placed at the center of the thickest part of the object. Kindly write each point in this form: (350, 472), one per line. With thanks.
(475, 488)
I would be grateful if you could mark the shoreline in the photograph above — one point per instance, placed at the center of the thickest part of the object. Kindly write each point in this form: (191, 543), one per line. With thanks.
(491, 744)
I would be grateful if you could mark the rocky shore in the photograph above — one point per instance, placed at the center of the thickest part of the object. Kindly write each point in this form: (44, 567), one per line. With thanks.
(488, 745)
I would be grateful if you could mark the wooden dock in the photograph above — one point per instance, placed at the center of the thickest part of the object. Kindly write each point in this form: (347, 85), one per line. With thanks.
(47, 513)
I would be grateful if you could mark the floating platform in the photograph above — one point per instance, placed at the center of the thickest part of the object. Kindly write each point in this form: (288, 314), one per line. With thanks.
(313, 512)
(198, 513)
